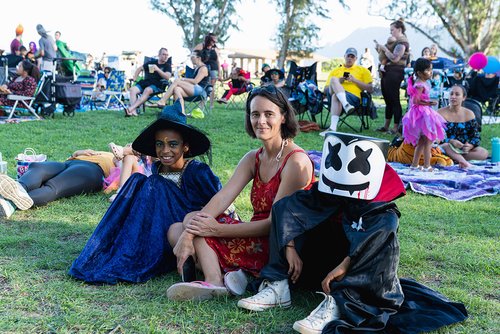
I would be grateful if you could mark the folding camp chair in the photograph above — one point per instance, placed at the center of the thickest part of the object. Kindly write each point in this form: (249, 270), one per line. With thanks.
(193, 102)
(8, 65)
(22, 103)
(87, 82)
(238, 98)
(115, 89)
(364, 112)
(301, 85)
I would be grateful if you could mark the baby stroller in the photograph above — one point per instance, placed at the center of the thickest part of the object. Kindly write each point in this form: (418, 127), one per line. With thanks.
(302, 88)
(58, 90)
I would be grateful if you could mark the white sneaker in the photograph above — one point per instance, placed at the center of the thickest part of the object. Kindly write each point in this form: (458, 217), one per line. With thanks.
(348, 108)
(271, 294)
(236, 282)
(12, 190)
(6, 208)
(326, 311)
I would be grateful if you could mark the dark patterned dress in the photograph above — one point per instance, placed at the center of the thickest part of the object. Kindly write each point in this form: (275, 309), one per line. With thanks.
(464, 132)
(25, 87)
(250, 253)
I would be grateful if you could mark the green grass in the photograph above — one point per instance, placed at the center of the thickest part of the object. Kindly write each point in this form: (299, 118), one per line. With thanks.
(451, 246)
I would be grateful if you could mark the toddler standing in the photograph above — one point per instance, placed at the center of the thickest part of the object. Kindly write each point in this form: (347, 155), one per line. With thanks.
(421, 124)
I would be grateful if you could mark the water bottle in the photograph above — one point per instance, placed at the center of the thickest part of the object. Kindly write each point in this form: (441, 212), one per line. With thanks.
(3, 165)
(495, 150)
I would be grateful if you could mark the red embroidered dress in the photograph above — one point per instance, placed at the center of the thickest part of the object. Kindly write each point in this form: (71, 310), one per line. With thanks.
(251, 253)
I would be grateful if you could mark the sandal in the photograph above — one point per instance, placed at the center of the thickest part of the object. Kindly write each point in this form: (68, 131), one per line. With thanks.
(196, 290)
(382, 129)
(117, 151)
(129, 114)
(417, 167)
(429, 169)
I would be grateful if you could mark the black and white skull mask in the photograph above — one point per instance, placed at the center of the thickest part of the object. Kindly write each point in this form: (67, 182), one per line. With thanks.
(352, 166)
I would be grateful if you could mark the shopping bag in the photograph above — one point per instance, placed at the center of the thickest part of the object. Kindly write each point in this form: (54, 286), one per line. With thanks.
(23, 160)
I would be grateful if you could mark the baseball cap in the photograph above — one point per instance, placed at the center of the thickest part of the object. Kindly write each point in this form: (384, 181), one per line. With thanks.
(351, 51)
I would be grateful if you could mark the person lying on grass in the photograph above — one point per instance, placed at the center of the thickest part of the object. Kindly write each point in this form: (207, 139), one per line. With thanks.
(82, 173)
(130, 243)
(48, 181)
(222, 244)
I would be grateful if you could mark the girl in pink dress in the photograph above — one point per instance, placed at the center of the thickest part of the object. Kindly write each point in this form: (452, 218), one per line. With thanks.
(421, 124)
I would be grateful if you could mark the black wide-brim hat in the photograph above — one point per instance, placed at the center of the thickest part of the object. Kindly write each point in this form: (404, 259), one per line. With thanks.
(280, 72)
(172, 118)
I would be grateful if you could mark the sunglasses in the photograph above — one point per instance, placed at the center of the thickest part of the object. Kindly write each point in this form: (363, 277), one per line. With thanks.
(270, 89)
(106, 72)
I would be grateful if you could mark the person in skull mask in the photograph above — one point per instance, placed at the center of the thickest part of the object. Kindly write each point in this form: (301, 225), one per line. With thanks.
(342, 233)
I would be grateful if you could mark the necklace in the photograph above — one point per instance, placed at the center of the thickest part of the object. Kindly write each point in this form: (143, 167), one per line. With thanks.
(284, 143)
(175, 177)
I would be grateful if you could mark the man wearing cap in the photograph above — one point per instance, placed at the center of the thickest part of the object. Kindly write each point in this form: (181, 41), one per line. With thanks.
(47, 50)
(345, 84)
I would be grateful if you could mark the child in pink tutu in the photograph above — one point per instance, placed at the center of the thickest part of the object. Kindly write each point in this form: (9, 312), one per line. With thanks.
(421, 124)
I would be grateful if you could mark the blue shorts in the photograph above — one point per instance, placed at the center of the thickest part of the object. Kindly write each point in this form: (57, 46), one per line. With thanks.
(352, 99)
(199, 91)
(155, 89)
(214, 74)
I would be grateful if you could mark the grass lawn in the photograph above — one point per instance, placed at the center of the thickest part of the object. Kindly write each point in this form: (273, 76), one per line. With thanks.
(450, 246)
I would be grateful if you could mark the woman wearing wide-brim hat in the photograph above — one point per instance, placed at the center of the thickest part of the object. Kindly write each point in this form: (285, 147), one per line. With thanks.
(276, 76)
(130, 243)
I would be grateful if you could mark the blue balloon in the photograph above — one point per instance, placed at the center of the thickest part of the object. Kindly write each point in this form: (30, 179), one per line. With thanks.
(492, 66)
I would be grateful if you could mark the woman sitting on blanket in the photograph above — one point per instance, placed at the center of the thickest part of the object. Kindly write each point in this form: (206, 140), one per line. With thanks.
(462, 130)
(130, 243)
(222, 244)
(189, 87)
(24, 84)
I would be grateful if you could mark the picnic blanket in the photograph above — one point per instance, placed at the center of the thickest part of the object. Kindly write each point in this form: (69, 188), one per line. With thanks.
(452, 183)
(17, 119)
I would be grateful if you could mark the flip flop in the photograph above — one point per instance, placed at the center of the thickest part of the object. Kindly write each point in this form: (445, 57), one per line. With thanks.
(196, 290)
(117, 150)
(381, 129)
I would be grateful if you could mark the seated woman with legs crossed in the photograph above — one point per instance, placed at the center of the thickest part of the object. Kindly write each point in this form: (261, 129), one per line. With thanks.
(188, 87)
(222, 244)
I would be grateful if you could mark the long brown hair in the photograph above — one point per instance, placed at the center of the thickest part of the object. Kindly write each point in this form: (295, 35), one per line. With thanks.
(31, 69)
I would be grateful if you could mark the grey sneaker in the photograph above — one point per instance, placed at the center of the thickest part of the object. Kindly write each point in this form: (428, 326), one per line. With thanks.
(271, 294)
(325, 312)
(12, 190)
(6, 208)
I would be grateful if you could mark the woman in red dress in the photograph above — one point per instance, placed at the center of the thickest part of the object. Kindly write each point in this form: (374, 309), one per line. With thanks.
(222, 244)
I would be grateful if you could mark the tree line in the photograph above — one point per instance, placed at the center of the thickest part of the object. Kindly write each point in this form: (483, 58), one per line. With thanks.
(473, 25)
